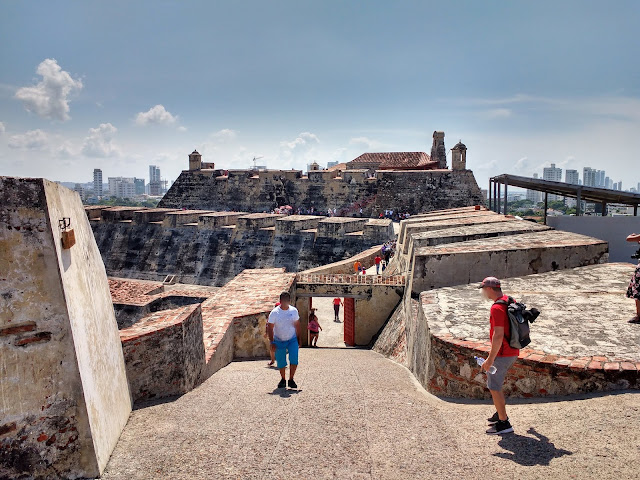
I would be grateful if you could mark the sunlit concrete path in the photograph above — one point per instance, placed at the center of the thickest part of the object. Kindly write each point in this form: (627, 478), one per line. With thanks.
(358, 415)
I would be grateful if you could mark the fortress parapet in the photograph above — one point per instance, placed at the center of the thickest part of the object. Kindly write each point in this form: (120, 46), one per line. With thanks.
(183, 217)
(118, 214)
(378, 230)
(148, 215)
(294, 224)
(215, 220)
(339, 226)
(255, 221)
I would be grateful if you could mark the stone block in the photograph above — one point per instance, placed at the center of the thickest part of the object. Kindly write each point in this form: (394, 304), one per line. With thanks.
(118, 214)
(294, 224)
(63, 375)
(182, 217)
(214, 220)
(256, 221)
(337, 227)
(140, 217)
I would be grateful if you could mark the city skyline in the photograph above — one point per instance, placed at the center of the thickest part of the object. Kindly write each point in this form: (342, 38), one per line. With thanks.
(324, 82)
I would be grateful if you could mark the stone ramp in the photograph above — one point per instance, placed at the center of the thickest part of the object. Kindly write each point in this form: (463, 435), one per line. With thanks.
(360, 416)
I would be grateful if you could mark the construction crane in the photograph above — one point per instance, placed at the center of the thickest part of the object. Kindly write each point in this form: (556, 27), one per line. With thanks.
(255, 165)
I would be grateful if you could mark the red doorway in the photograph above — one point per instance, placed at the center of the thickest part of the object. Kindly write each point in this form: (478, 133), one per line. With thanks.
(350, 322)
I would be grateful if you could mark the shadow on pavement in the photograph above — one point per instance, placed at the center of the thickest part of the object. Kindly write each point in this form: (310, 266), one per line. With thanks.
(528, 451)
(284, 393)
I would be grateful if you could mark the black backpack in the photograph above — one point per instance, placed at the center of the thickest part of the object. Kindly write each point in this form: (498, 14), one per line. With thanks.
(519, 319)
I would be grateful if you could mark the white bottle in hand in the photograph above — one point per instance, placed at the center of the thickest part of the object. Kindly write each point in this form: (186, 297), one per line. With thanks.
(492, 368)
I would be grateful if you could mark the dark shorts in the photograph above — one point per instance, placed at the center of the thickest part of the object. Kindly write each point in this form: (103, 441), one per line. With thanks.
(313, 333)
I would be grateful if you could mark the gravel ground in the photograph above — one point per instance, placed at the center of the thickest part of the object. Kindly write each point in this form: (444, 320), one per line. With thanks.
(357, 415)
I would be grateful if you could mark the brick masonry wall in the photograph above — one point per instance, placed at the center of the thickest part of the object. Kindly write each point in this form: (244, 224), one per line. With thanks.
(164, 353)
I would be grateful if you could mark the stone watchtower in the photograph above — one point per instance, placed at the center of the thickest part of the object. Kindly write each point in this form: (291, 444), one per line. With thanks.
(459, 157)
(195, 161)
(438, 152)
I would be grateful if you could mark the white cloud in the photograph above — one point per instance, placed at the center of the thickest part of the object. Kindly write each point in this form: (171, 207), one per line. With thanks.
(31, 140)
(225, 135)
(49, 98)
(156, 115)
(182, 129)
(2, 128)
(365, 143)
(99, 143)
(299, 148)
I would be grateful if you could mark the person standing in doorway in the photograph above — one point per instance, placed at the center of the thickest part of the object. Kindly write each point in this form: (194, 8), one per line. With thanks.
(378, 259)
(336, 309)
(284, 335)
(502, 355)
(314, 328)
(634, 286)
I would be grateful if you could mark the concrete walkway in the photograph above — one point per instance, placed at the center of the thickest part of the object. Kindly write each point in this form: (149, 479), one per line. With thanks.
(358, 415)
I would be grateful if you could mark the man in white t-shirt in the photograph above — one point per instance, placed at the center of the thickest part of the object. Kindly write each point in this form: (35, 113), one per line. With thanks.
(284, 335)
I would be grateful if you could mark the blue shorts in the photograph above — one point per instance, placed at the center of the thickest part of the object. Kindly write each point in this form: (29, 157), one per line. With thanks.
(286, 346)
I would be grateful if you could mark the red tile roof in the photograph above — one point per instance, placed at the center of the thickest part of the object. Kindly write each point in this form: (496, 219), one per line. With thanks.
(395, 160)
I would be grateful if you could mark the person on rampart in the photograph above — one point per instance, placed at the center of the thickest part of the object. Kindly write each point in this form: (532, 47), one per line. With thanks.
(502, 355)
(336, 308)
(357, 267)
(284, 335)
(378, 260)
(634, 286)
(314, 328)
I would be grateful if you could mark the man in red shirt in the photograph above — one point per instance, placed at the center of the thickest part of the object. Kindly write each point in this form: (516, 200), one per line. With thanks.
(502, 355)
(336, 308)
(378, 259)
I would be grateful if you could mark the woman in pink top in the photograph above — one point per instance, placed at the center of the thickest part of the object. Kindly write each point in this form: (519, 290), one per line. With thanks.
(314, 328)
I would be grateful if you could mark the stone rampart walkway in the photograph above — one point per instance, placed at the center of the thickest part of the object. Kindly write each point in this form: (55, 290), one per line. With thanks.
(360, 416)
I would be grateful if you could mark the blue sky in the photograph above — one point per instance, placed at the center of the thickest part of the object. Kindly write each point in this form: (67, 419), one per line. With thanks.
(121, 85)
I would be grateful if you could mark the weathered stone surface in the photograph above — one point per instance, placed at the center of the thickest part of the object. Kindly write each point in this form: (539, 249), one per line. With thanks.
(65, 397)
(581, 343)
(402, 191)
(508, 256)
(215, 256)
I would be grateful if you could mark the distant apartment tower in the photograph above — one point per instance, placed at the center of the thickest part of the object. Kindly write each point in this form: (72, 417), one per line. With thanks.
(155, 182)
(139, 183)
(97, 182)
(122, 187)
(589, 177)
(533, 195)
(572, 177)
(552, 174)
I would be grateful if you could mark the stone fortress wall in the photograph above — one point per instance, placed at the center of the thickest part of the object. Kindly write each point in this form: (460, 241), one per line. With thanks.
(347, 191)
(211, 248)
(407, 182)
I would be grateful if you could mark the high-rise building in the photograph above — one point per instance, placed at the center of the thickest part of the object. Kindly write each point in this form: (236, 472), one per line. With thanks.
(534, 195)
(97, 182)
(589, 177)
(155, 182)
(122, 187)
(552, 174)
(139, 183)
(572, 177)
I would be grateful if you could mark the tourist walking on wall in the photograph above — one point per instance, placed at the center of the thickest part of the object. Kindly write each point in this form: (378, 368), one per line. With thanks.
(314, 328)
(502, 355)
(336, 309)
(634, 287)
(357, 267)
(378, 260)
(284, 335)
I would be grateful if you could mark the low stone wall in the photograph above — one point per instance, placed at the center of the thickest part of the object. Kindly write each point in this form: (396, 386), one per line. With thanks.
(367, 258)
(249, 339)
(164, 353)
(503, 257)
(570, 356)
